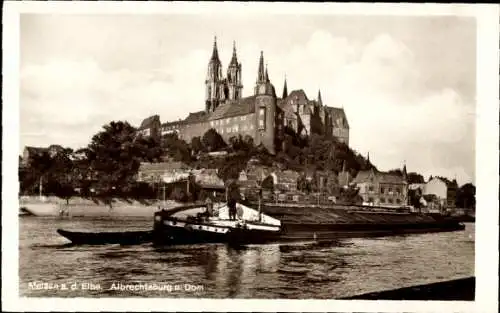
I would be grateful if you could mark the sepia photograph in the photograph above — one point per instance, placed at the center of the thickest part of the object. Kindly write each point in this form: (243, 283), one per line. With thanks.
(238, 151)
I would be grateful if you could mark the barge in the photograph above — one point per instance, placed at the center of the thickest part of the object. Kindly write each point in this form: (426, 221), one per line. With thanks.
(198, 224)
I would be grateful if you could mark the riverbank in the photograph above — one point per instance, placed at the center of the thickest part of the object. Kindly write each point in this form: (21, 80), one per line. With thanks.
(85, 207)
(453, 290)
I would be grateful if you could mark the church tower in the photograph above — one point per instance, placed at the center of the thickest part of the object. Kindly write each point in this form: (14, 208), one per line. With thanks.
(285, 90)
(234, 77)
(265, 109)
(213, 81)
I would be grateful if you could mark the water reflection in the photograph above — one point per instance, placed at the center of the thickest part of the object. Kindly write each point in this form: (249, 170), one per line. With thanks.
(295, 271)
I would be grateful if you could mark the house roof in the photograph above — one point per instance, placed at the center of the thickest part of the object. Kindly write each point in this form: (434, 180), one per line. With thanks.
(163, 166)
(149, 121)
(35, 150)
(383, 177)
(449, 183)
(238, 107)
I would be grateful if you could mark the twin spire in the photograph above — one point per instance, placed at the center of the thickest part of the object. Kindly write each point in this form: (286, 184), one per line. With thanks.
(215, 53)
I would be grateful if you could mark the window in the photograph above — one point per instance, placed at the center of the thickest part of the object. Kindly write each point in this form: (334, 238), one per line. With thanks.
(235, 128)
(262, 118)
(382, 200)
(398, 201)
(251, 126)
(211, 123)
(390, 200)
(370, 200)
(382, 189)
(398, 190)
(370, 188)
(222, 131)
(390, 190)
(228, 130)
(227, 121)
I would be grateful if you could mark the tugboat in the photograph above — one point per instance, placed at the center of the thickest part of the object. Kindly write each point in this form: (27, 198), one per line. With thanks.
(232, 223)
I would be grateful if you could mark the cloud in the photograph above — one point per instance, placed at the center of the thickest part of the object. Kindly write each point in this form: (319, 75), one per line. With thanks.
(392, 110)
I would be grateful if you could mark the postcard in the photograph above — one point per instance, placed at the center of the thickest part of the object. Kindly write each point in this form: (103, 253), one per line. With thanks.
(295, 157)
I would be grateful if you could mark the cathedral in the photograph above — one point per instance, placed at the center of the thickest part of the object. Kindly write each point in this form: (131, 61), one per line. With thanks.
(263, 116)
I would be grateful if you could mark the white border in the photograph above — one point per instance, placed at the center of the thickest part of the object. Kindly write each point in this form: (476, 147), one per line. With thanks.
(487, 144)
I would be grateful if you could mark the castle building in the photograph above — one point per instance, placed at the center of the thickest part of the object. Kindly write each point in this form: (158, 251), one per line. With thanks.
(263, 116)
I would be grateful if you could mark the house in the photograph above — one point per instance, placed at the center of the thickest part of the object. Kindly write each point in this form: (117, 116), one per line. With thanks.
(382, 188)
(162, 172)
(444, 190)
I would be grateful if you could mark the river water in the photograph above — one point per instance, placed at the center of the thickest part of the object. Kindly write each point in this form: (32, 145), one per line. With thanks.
(48, 267)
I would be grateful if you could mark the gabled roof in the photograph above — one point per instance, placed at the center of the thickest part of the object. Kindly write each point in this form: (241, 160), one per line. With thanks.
(148, 122)
(232, 108)
(383, 177)
(449, 183)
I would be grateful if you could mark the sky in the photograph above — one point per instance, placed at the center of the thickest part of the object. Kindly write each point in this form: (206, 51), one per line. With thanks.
(406, 83)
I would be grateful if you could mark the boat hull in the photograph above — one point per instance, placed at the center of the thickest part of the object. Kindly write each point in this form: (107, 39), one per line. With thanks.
(101, 238)
(164, 234)
(168, 235)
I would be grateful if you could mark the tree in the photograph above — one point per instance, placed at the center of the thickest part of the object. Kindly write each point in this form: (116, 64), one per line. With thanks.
(350, 196)
(178, 194)
(268, 183)
(415, 178)
(414, 196)
(466, 196)
(61, 180)
(197, 145)
(114, 156)
(213, 140)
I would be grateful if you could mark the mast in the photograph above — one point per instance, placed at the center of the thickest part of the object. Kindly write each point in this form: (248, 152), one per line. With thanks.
(40, 187)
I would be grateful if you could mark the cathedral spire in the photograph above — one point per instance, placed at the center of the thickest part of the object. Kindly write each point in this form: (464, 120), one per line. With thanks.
(285, 89)
(320, 101)
(261, 78)
(215, 53)
(234, 58)
(267, 75)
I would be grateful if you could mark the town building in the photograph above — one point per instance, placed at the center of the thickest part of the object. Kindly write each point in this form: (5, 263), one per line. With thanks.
(382, 188)
(443, 189)
(263, 116)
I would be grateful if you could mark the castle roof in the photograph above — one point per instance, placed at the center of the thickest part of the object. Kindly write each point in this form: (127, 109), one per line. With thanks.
(232, 108)
(196, 117)
(148, 122)
(337, 114)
